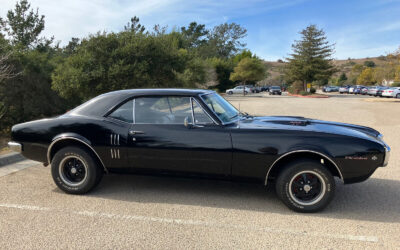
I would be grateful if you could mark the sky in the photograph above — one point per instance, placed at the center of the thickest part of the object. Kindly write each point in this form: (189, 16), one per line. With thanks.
(359, 28)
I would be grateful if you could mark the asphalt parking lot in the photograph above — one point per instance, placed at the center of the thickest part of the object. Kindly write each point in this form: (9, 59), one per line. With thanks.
(128, 211)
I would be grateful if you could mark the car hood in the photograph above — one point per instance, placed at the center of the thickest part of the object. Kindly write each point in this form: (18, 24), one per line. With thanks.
(306, 124)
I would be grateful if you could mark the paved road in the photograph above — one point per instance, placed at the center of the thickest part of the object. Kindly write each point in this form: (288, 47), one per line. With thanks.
(155, 212)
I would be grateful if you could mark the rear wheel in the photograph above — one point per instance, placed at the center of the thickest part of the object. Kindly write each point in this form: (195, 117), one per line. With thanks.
(305, 186)
(75, 170)
(230, 92)
(398, 96)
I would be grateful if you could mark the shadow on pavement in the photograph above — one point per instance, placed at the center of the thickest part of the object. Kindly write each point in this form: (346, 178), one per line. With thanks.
(373, 200)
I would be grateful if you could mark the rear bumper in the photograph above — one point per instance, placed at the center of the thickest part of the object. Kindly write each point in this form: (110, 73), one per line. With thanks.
(15, 146)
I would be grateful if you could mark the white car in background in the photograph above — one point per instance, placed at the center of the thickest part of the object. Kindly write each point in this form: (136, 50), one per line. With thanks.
(351, 89)
(238, 90)
(392, 92)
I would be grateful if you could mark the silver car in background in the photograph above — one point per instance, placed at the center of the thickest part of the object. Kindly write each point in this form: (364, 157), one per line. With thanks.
(392, 92)
(344, 89)
(238, 90)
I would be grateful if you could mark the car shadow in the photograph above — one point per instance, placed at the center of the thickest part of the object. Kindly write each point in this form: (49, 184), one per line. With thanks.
(373, 200)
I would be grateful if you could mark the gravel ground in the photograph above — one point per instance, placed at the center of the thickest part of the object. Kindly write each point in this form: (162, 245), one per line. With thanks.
(154, 212)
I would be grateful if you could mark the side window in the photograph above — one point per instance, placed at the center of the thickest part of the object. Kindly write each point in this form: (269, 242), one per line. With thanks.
(124, 112)
(200, 116)
(162, 110)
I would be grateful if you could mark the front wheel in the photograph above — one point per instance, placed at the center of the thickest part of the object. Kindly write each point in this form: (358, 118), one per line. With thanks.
(305, 186)
(230, 92)
(398, 96)
(75, 171)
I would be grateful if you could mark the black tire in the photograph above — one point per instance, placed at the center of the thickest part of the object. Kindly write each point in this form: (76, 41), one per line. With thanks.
(398, 96)
(323, 180)
(230, 92)
(246, 92)
(84, 175)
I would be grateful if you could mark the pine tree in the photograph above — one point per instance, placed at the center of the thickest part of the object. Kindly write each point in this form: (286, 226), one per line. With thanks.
(311, 58)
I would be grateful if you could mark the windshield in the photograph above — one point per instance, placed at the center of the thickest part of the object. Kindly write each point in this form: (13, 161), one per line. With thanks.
(221, 107)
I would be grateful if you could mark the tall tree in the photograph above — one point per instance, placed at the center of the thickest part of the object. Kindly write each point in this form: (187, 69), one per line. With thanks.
(194, 35)
(225, 40)
(134, 25)
(24, 25)
(311, 58)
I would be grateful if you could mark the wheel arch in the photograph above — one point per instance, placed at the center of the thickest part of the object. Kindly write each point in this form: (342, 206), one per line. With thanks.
(277, 165)
(71, 139)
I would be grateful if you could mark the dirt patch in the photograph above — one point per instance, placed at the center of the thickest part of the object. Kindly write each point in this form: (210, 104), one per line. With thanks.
(3, 145)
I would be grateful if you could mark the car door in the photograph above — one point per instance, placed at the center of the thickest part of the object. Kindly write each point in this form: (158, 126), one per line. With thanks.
(159, 140)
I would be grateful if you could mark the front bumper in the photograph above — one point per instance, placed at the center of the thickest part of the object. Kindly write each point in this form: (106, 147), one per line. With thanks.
(15, 146)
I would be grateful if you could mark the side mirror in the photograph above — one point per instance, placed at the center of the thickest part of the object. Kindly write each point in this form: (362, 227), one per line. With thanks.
(188, 122)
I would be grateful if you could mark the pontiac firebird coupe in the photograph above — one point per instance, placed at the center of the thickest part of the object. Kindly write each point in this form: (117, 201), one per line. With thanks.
(197, 132)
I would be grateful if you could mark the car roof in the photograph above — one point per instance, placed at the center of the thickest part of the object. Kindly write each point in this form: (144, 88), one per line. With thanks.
(101, 104)
(156, 91)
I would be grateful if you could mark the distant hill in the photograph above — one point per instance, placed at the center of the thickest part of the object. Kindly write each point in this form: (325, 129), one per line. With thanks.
(275, 68)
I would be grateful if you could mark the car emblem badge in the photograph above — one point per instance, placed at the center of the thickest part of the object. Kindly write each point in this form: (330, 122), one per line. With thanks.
(374, 158)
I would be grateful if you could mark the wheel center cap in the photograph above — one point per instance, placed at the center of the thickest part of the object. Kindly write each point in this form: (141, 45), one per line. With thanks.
(73, 170)
(307, 188)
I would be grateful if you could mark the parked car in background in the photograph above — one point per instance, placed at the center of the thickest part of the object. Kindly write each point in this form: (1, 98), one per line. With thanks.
(351, 89)
(331, 89)
(372, 90)
(275, 90)
(364, 91)
(238, 90)
(344, 89)
(199, 133)
(264, 88)
(252, 88)
(380, 90)
(392, 92)
(357, 89)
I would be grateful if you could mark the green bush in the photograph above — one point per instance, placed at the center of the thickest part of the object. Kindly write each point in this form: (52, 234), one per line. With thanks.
(313, 90)
(296, 87)
(395, 84)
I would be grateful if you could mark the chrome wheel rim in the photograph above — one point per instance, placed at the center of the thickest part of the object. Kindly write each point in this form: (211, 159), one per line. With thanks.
(73, 170)
(307, 188)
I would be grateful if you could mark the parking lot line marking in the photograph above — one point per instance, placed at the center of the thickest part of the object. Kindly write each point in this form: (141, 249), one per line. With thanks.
(195, 223)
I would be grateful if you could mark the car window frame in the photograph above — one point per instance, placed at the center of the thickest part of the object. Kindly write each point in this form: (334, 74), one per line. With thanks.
(192, 100)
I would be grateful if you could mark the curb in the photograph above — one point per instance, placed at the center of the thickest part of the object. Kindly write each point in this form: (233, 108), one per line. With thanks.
(10, 159)
(308, 96)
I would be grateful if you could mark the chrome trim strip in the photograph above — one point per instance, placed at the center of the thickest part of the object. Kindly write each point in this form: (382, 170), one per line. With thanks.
(191, 105)
(118, 154)
(73, 138)
(133, 111)
(198, 104)
(118, 139)
(112, 155)
(111, 139)
(223, 123)
(15, 146)
(298, 151)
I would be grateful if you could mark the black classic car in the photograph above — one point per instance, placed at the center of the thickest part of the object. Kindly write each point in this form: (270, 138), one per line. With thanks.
(199, 133)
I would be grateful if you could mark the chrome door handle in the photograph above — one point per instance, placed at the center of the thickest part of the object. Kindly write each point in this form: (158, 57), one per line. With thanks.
(134, 132)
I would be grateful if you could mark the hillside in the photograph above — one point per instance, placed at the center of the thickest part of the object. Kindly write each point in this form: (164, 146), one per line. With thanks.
(275, 68)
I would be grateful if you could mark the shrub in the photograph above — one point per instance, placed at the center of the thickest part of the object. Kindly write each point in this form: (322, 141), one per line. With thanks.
(313, 90)
(395, 84)
(296, 87)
